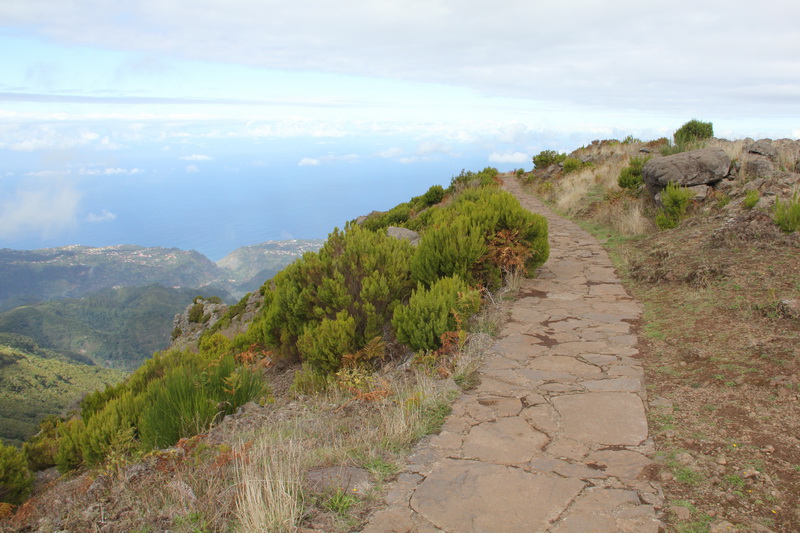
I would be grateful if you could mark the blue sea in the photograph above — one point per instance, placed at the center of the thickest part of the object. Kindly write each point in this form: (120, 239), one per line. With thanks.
(225, 194)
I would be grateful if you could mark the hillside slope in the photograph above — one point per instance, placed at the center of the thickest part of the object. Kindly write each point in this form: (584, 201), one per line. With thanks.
(116, 328)
(31, 276)
(35, 382)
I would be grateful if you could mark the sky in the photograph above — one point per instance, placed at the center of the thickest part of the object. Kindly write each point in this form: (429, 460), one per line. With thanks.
(124, 121)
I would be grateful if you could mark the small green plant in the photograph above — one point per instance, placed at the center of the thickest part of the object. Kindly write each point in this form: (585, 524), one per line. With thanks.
(787, 214)
(381, 468)
(723, 200)
(631, 176)
(675, 200)
(630, 139)
(751, 199)
(734, 481)
(572, 164)
(340, 502)
(194, 522)
(545, 158)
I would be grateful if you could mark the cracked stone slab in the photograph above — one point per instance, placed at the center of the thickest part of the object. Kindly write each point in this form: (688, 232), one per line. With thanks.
(610, 418)
(622, 464)
(563, 364)
(506, 441)
(463, 496)
(624, 384)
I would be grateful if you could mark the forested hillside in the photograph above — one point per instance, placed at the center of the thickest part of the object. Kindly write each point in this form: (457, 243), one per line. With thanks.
(35, 382)
(116, 328)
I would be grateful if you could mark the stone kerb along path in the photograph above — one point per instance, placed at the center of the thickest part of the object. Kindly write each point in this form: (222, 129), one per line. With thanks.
(555, 437)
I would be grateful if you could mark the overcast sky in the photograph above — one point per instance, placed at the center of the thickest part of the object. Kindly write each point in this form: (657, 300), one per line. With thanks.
(504, 78)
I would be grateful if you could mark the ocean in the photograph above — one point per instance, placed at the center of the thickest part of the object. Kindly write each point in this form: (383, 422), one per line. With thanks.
(220, 196)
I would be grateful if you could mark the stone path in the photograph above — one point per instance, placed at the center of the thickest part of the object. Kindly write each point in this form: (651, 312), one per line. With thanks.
(555, 437)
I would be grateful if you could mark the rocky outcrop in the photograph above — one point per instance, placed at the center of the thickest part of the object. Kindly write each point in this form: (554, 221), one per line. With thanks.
(199, 315)
(707, 166)
(203, 314)
(403, 233)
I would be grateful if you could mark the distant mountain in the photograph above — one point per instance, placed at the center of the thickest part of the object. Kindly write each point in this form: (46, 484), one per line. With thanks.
(30, 276)
(35, 382)
(116, 328)
(250, 266)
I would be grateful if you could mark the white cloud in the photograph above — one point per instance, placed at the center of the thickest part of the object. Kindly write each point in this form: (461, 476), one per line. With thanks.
(109, 171)
(104, 216)
(196, 157)
(576, 52)
(512, 157)
(511, 133)
(427, 148)
(316, 161)
(44, 209)
(192, 169)
(391, 153)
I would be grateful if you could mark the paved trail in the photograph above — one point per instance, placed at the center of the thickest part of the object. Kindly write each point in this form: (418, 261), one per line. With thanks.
(555, 437)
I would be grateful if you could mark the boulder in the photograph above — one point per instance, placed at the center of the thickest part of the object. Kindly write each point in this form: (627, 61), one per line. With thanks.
(403, 233)
(697, 167)
(763, 147)
(701, 192)
(759, 167)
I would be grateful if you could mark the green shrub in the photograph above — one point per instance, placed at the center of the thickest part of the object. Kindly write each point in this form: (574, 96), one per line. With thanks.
(693, 131)
(451, 247)
(459, 238)
(675, 201)
(432, 312)
(323, 345)
(433, 196)
(496, 211)
(751, 199)
(196, 313)
(192, 396)
(631, 176)
(119, 416)
(69, 455)
(16, 481)
(360, 272)
(787, 214)
(40, 450)
(545, 158)
(485, 177)
(572, 164)
(630, 139)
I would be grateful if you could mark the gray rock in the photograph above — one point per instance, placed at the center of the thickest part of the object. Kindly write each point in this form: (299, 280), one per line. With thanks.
(403, 233)
(697, 167)
(347, 479)
(763, 147)
(700, 191)
(759, 167)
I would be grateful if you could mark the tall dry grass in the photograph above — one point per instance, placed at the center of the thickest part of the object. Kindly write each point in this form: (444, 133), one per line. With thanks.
(627, 217)
(270, 480)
